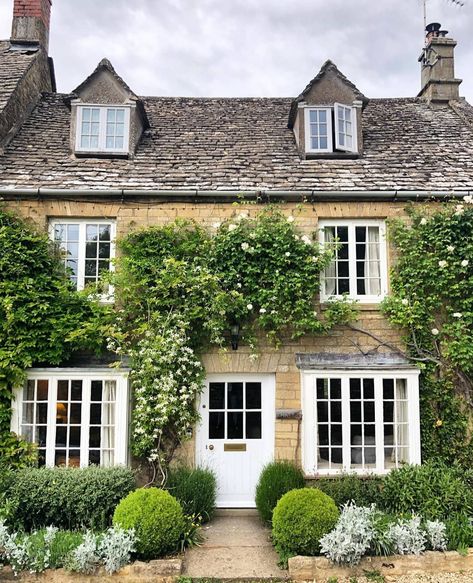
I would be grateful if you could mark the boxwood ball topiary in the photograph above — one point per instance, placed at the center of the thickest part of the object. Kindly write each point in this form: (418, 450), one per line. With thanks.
(275, 480)
(157, 518)
(300, 519)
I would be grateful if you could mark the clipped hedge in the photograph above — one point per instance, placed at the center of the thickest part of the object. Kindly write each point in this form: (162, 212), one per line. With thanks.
(69, 498)
(157, 519)
(363, 491)
(275, 480)
(195, 489)
(433, 490)
(301, 518)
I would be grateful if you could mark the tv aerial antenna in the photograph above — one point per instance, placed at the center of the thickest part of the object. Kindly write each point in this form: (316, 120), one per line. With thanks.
(459, 3)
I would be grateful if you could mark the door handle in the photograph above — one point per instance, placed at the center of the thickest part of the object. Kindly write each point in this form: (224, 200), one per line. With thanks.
(210, 447)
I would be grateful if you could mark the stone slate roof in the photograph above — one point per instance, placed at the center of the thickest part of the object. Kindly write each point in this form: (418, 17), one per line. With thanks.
(13, 65)
(245, 144)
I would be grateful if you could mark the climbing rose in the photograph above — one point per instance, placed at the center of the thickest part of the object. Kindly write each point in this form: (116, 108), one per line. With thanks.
(435, 332)
(465, 263)
(442, 263)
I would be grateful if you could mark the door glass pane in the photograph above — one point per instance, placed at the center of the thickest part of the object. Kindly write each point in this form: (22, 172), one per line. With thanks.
(217, 396)
(235, 396)
(96, 391)
(63, 390)
(235, 425)
(61, 436)
(216, 425)
(253, 425)
(253, 395)
(42, 390)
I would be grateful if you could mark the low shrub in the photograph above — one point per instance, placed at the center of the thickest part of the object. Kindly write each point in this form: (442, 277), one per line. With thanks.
(196, 490)
(157, 519)
(459, 532)
(301, 518)
(363, 491)
(276, 479)
(68, 498)
(432, 490)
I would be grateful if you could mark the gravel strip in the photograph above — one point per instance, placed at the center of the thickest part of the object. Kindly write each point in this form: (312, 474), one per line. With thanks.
(465, 577)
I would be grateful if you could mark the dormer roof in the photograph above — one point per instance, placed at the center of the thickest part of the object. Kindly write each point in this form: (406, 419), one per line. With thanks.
(328, 69)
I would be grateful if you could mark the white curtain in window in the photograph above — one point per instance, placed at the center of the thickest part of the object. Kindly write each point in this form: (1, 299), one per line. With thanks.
(108, 422)
(330, 270)
(402, 427)
(372, 263)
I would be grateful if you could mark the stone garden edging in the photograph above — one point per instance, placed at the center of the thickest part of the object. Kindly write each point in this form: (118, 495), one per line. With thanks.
(429, 563)
(159, 571)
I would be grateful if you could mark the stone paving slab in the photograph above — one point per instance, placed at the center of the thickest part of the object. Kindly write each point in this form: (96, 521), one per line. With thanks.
(236, 547)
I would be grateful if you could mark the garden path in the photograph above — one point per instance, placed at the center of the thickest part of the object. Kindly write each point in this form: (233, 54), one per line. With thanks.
(236, 546)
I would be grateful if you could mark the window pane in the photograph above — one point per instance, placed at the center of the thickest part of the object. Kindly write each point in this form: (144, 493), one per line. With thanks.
(96, 414)
(235, 396)
(234, 425)
(76, 413)
(28, 413)
(63, 390)
(96, 391)
(41, 433)
(95, 114)
(216, 425)
(61, 413)
(120, 115)
(217, 396)
(322, 388)
(42, 388)
(76, 390)
(42, 413)
(94, 436)
(28, 391)
(94, 457)
(253, 395)
(61, 436)
(253, 425)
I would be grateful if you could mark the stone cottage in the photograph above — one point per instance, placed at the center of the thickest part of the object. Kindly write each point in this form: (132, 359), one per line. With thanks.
(93, 164)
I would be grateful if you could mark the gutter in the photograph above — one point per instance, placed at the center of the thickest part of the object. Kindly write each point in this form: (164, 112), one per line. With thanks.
(262, 196)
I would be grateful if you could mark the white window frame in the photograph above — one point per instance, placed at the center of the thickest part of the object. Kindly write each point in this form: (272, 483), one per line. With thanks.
(102, 147)
(87, 376)
(82, 245)
(308, 148)
(352, 224)
(354, 134)
(309, 419)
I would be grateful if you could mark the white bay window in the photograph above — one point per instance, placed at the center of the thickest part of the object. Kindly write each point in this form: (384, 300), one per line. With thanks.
(360, 421)
(359, 266)
(77, 418)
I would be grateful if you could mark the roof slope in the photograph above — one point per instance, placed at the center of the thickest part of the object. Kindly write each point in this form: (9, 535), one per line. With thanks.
(243, 144)
(13, 65)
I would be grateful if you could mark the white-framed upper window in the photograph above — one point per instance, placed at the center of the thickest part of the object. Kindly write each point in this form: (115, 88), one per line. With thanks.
(359, 266)
(360, 421)
(329, 126)
(88, 246)
(103, 129)
(76, 417)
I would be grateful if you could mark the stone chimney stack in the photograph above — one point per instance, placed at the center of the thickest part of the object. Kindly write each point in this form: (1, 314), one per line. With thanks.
(438, 72)
(31, 23)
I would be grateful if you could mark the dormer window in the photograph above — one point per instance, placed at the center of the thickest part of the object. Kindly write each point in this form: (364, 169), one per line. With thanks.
(326, 126)
(102, 129)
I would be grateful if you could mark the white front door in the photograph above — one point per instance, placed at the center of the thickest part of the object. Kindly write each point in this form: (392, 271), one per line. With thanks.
(235, 437)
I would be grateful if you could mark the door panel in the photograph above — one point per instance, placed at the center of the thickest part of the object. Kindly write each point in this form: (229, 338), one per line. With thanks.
(236, 435)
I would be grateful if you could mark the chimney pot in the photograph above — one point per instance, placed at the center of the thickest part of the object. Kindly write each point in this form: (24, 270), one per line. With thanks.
(31, 20)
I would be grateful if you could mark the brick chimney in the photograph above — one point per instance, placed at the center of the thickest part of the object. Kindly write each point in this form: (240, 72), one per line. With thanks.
(438, 72)
(31, 22)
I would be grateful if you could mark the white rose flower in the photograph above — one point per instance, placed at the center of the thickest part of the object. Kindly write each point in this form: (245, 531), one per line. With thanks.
(216, 225)
(405, 302)
(287, 254)
(450, 248)
(262, 310)
(442, 263)
(306, 240)
(238, 285)
(290, 219)
(435, 332)
(249, 307)
(242, 216)
(314, 258)
(423, 221)
(465, 263)
(245, 246)
(468, 199)
(232, 227)
(457, 315)
(459, 209)
(252, 235)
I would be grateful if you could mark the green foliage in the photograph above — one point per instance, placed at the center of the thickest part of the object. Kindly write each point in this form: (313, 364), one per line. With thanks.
(344, 488)
(16, 452)
(42, 318)
(432, 490)
(181, 289)
(300, 519)
(459, 532)
(275, 480)
(195, 489)
(62, 544)
(157, 519)
(68, 498)
(432, 301)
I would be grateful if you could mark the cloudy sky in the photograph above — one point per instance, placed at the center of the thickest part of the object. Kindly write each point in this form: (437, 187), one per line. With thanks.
(250, 47)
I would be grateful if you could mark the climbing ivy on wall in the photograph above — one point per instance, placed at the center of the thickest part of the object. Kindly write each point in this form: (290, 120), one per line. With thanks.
(42, 318)
(432, 300)
(182, 287)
